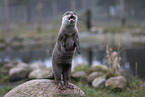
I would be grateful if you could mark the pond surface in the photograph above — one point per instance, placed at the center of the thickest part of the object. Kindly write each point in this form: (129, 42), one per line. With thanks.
(41, 55)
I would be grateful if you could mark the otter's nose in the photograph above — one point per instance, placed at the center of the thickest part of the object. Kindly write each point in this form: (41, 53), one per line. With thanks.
(71, 14)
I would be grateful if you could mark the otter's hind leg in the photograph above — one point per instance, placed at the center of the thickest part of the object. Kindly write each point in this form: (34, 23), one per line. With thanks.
(57, 75)
(66, 76)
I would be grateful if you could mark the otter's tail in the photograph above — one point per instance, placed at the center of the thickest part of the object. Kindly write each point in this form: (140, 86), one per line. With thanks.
(50, 76)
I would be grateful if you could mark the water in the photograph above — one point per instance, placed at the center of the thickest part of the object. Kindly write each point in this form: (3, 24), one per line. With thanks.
(40, 55)
(78, 59)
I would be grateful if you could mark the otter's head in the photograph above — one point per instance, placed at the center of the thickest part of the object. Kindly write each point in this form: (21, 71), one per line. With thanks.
(69, 18)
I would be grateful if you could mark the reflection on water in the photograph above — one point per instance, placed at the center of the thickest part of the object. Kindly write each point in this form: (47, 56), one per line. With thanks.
(40, 55)
(78, 59)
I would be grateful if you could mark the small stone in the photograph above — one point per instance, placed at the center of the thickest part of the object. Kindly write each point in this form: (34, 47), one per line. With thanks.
(35, 66)
(118, 82)
(101, 68)
(99, 82)
(79, 74)
(23, 65)
(7, 67)
(17, 73)
(38, 73)
(94, 75)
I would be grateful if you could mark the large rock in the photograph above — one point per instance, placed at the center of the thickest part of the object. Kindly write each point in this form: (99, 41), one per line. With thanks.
(94, 75)
(17, 73)
(118, 82)
(101, 68)
(43, 88)
(38, 73)
(99, 82)
(79, 74)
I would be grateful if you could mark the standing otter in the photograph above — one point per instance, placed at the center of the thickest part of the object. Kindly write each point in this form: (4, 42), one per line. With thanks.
(66, 44)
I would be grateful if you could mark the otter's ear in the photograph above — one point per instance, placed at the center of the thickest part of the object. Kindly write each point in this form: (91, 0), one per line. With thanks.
(67, 13)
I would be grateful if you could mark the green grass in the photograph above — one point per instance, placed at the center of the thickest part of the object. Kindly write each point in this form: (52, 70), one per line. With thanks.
(28, 30)
(4, 90)
(3, 77)
(5, 85)
(135, 89)
(29, 33)
(52, 29)
(81, 67)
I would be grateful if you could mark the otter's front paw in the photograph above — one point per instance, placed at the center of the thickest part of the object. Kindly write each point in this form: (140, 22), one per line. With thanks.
(61, 86)
(70, 86)
(78, 50)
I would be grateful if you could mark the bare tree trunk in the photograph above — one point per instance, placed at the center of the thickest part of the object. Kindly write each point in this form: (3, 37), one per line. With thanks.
(39, 9)
(7, 15)
(8, 24)
(88, 19)
(73, 5)
(28, 11)
(89, 51)
(123, 19)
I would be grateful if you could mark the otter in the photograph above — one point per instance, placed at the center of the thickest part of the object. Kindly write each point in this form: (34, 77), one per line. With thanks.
(66, 44)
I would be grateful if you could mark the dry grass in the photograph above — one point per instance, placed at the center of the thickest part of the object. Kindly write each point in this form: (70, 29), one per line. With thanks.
(113, 59)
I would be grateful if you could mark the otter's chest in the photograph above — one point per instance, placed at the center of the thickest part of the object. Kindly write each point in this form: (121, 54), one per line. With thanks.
(69, 43)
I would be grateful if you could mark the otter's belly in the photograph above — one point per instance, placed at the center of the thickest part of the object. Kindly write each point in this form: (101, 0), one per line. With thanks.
(61, 58)
(69, 44)
(64, 58)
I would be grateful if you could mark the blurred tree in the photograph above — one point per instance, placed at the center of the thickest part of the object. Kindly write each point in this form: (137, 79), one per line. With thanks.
(123, 19)
(88, 19)
(7, 15)
(39, 10)
(135, 8)
(108, 3)
(28, 10)
(105, 2)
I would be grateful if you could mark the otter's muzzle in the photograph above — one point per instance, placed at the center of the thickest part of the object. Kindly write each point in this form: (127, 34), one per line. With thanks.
(72, 19)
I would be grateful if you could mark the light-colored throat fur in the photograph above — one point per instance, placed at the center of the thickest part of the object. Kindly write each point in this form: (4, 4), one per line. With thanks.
(69, 30)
